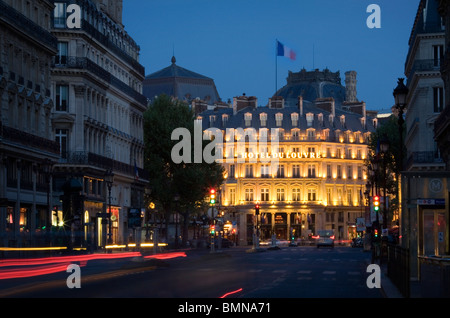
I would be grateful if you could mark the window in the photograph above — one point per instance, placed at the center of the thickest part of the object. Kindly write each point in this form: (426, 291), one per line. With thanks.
(265, 172)
(61, 139)
(280, 171)
(263, 119)
(339, 196)
(349, 172)
(339, 171)
(295, 171)
(438, 99)
(264, 194)
(224, 120)
(294, 118)
(61, 58)
(62, 92)
(328, 196)
(328, 171)
(349, 197)
(296, 194)
(309, 119)
(295, 135)
(438, 54)
(311, 134)
(248, 194)
(249, 171)
(263, 134)
(311, 171)
(280, 194)
(311, 194)
(278, 119)
(359, 173)
(232, 196)
(248, 119)
(59, 13)
(231, 172)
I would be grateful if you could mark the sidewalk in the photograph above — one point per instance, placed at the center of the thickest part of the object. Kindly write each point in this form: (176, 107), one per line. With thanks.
(389, 290)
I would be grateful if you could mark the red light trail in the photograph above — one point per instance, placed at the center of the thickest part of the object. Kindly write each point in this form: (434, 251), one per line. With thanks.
(41, 266)
(230, 293)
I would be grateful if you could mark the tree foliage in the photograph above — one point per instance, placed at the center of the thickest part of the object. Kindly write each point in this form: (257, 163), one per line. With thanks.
(390, 160)
(176, 187)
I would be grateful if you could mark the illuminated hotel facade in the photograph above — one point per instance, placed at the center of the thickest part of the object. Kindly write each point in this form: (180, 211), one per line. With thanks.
(301, 161)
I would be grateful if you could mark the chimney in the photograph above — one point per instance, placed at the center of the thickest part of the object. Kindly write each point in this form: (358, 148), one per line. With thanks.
(243, 101)
(276, 102)
(350, 87)
(300, 105)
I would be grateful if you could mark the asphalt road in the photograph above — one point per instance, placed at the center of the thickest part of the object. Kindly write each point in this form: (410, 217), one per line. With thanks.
(290, 272)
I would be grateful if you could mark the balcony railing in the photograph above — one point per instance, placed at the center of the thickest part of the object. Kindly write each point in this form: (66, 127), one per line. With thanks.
(87, 64)
(89, 158)
(60, 23)
(424, 157)
(427, 65)
(28, 140)
(27, 26)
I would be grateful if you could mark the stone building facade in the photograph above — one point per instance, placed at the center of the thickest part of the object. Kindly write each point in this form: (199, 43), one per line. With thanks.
(27, 146)
(301, 160)
(97, 120)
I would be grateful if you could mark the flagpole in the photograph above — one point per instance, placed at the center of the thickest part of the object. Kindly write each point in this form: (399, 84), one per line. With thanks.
(276, 67)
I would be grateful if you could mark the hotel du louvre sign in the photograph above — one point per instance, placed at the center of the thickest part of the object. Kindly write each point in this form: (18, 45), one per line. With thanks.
(281, 155)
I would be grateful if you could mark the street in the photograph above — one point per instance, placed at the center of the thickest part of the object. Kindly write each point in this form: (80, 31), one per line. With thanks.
(289, 272)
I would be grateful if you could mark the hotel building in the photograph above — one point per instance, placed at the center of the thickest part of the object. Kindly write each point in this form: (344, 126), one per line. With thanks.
(300, 158)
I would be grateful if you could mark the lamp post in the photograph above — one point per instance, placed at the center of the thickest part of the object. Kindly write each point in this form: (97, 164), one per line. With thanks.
(47, 169)
(177, 200)
(109, 179)
(400, 96)
(384, 147)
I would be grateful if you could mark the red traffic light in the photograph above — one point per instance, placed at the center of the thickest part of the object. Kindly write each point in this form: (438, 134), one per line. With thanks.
(212, 191)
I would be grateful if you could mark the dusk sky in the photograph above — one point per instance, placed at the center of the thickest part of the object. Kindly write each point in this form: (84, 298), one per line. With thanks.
(233, 41)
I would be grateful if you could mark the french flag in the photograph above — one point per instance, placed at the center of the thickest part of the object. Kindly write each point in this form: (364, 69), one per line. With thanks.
(283, 50)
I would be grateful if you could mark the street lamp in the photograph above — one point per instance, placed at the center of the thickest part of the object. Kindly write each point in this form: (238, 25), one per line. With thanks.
(400, 95)
(177, 200)
(109, 179)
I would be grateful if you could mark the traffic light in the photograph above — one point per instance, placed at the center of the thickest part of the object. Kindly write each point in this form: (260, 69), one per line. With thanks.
(376, 203)
(212, 196)
(375, 233)
(257, 209)
(213, 229)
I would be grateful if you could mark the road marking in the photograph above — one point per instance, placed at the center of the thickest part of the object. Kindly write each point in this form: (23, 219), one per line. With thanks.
(304, 272)
(354, 273)
(329, 272)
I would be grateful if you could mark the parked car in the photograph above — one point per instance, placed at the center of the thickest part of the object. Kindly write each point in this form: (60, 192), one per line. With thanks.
(325, 238)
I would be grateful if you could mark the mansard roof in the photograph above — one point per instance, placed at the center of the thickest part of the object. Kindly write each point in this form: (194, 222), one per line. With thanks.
(181, 83)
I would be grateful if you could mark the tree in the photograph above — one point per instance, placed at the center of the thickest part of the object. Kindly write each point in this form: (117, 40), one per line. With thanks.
(390, 160)
(188, 182)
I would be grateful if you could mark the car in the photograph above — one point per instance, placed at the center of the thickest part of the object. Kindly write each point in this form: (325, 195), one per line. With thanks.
(325, 238)
(225, 243)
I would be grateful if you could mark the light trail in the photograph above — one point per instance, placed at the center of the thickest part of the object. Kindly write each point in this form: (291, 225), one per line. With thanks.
(232, 292)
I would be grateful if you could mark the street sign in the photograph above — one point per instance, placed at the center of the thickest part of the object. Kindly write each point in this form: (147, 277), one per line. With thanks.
(430, 201)
(134, 218)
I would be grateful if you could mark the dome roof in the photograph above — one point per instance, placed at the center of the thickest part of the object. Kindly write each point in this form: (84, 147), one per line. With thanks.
(312, 85)
(180, 83)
